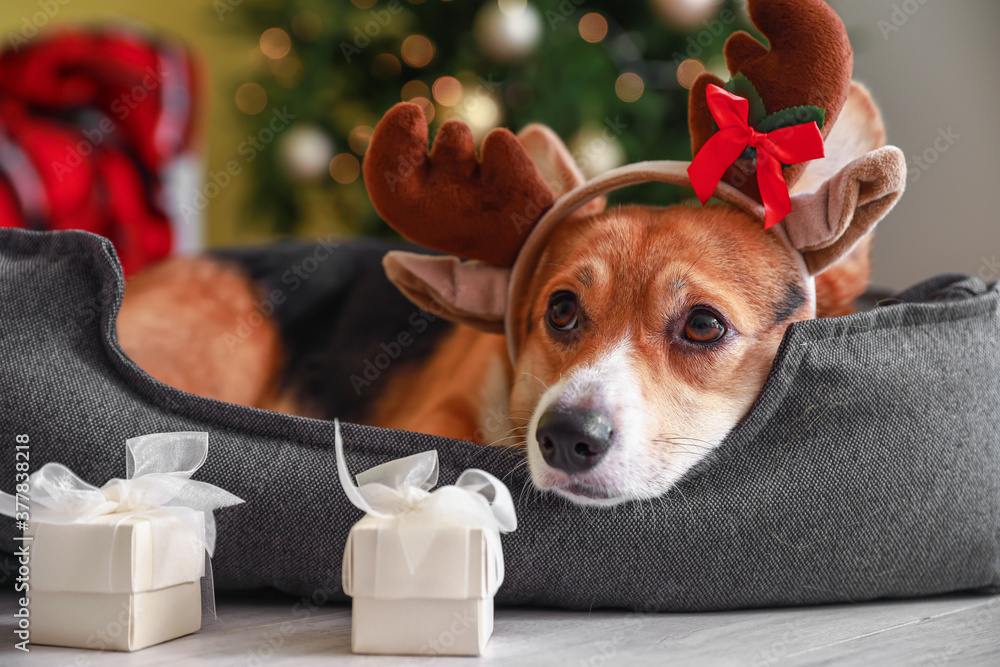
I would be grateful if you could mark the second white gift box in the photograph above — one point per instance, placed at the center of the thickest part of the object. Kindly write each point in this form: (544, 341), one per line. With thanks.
(423, 567)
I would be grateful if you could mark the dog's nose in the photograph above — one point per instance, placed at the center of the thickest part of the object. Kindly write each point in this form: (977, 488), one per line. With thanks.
(574, 440)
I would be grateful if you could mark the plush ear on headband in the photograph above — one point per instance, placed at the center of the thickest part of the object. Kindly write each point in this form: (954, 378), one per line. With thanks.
(826, 225)
(555, 163)
(841, 198)
(471, 293)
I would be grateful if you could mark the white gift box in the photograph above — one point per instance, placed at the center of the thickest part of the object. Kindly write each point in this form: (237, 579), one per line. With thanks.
(423, 568)
(120, 567)
(439, 602)
(132, 580)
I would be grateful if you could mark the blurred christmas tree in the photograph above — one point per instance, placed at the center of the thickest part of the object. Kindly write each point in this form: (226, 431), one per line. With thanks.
(608, 76)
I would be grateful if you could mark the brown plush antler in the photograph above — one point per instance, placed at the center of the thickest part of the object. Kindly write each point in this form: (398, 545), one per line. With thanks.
(448, 200)
(810, 63)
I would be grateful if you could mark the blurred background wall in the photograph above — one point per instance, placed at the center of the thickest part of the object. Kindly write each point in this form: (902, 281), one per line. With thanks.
(609, 76)
(933, 68)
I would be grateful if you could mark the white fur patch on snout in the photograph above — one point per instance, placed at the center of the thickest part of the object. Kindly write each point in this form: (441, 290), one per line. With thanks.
(608, 385)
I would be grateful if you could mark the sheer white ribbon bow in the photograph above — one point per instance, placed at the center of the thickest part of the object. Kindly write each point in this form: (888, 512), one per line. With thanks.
(400, 490)
(159, 468)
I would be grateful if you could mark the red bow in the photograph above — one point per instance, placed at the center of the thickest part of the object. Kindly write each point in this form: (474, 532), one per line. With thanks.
(787, 145)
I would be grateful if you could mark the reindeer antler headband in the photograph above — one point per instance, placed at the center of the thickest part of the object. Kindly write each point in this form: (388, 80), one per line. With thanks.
(499, 210)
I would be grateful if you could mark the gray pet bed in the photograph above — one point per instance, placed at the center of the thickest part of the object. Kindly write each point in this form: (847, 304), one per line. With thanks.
(869, 467)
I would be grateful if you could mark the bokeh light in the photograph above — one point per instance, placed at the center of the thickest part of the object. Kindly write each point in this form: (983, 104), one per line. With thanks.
(687, 14)
(427, 106)
(481, 113)
(593, 27)
(595, 150)
(415, 88)
(344, 168)
(689, 71)
(417, 51)
(275, 43)
(629, 87)
(508, 32)
(359, 138)
(251, 98)
(305, 150)
(447, 91)
(512, 7)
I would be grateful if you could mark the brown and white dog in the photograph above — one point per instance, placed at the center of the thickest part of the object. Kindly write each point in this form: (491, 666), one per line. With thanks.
(622, 345)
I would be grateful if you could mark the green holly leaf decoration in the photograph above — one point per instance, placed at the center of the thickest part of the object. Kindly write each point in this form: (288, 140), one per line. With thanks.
(761, 121)
(792, 116)
(742, 86)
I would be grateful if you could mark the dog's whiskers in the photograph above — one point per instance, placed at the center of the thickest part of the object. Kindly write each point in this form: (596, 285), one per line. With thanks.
(536, 377)
(510, 472)
(526, 374)
(667, 437)
(514, 433)
(506, 437)
(514, 420)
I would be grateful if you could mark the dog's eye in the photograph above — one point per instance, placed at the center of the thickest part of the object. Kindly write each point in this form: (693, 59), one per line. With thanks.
(563, 311)
(703, 326)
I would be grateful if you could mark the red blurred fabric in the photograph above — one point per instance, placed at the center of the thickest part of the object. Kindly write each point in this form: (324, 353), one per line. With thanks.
(88, 121)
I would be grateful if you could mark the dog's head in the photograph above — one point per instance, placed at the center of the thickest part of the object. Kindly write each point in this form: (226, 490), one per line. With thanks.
(645, 336)
(639, 336)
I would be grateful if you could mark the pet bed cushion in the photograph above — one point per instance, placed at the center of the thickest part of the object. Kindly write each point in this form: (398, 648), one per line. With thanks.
(868, 468)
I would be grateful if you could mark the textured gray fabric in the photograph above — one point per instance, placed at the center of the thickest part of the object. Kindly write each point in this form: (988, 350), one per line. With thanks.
(869, 467)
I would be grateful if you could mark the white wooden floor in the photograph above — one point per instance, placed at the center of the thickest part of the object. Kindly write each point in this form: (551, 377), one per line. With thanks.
(254, 632)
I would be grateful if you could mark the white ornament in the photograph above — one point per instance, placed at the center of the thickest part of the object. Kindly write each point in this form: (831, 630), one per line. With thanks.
(306, 151)
(596, 150)
(508, 31)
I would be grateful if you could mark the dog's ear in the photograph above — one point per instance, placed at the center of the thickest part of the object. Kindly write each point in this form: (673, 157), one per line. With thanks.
(556, 164)
(472, 293)
(840, 198)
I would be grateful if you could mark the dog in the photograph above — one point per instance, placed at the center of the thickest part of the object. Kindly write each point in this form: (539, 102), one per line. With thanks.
(637, 338)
